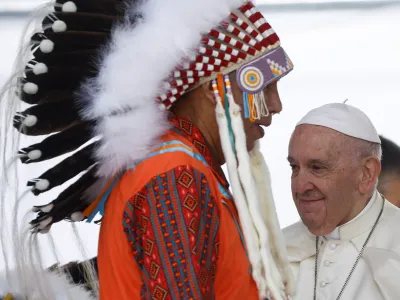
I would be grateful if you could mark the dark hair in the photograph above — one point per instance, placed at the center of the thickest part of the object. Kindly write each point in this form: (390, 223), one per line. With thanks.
(390, 158)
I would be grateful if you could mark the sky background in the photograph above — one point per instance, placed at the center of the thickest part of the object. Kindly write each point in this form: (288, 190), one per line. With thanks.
(338, 54)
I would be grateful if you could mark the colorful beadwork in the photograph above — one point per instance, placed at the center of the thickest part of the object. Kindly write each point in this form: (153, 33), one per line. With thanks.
(228, 84)
(244, 34)
(176, 267)
(251, 78)
(256, 75)
(215, 89)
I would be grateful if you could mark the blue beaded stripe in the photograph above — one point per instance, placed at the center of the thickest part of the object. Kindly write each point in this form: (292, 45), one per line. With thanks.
(100, 207)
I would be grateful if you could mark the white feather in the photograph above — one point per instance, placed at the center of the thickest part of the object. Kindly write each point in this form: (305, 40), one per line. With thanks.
(133, 67)
(61, 288)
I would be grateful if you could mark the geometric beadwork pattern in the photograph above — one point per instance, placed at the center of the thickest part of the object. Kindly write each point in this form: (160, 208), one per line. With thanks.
(190, 202)
(184, 127)
(144, 223)
(259, 73)
(154, 268)
(193, 225)
(148, 246)
(277, 68)
(244, 35)
(186, 179)
(159, 293)
(203, 276)
(200, 146)
(172, 226)
(139, 200)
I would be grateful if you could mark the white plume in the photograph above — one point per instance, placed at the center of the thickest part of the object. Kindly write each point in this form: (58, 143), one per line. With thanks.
(132, 68)
(59, 285)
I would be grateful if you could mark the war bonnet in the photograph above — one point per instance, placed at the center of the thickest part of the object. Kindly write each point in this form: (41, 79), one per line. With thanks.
(101, 77)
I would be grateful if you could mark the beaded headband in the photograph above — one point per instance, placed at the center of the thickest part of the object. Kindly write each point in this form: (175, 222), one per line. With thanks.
(242, 37)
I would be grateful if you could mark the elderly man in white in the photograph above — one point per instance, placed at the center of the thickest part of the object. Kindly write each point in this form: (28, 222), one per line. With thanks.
(347, 245)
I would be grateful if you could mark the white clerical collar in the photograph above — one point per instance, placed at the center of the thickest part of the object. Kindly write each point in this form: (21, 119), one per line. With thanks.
(336, 234)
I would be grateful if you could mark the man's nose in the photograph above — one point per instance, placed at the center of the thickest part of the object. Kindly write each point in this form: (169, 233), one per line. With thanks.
(301, 183)
(274, 103)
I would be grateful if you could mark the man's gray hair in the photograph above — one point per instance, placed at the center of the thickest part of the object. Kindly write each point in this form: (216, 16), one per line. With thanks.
(370, 149)
(363, 148)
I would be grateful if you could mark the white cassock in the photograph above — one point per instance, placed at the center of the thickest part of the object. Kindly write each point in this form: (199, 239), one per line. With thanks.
(377, 275)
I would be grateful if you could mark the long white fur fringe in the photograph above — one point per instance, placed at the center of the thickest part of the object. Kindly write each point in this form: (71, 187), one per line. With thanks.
(269, 266)
(249, 232)
(262, 177)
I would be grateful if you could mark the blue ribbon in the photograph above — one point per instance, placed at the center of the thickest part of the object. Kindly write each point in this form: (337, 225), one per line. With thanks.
(246, 105)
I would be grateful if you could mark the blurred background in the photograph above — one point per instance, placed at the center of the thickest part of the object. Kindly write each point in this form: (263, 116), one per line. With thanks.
(341, 50)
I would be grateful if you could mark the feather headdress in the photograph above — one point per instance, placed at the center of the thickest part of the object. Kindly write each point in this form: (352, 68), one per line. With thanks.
(104, 73)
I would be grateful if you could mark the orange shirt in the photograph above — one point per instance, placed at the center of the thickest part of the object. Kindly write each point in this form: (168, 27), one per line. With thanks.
(170, 229)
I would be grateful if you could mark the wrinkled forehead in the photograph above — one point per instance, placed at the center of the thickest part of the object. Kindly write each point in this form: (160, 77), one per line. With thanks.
(313, 140)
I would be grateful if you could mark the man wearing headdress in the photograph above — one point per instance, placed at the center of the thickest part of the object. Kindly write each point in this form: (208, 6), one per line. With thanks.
(346, 245)
(178, 89)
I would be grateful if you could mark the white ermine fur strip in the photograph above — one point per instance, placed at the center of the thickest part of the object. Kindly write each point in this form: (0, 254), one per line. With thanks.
(249, 232)
(271, 272)
(132, 69)
(56, 282)
(262, 177)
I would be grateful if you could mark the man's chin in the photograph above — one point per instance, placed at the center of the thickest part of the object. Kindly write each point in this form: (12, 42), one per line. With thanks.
(250, 146)
(319, 230)
(315, 226)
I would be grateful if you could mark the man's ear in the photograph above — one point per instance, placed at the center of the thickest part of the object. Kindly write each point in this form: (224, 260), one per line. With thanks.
(370, 173)
(208, 92)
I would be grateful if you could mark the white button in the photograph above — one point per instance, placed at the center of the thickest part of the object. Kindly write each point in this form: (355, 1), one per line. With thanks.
(333, 246)
(323, 284)
(327, 263)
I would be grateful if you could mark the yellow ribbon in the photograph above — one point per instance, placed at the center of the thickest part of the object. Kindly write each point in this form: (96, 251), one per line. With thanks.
(252, 108)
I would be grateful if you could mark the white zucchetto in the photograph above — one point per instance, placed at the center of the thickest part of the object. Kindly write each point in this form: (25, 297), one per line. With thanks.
(343, 118)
